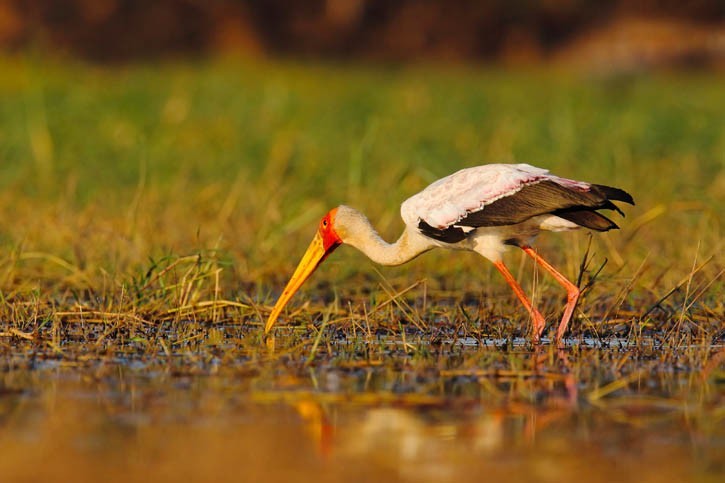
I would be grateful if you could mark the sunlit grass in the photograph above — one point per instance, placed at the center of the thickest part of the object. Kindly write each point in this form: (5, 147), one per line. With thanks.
(156, 211)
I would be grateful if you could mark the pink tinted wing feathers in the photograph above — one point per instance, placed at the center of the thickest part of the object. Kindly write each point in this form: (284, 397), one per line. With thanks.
(453, 198)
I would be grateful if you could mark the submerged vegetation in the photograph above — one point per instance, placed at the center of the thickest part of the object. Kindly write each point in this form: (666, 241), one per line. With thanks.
(150, 216)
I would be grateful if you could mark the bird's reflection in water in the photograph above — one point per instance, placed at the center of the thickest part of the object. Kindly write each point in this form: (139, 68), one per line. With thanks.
(423, 438)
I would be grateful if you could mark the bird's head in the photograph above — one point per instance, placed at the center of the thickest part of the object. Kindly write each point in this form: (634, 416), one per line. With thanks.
(325, 241)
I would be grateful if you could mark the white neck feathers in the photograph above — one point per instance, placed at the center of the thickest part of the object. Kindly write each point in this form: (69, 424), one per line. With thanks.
(355, 229)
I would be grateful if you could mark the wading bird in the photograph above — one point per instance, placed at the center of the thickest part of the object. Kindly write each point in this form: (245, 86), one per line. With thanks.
(483, 209)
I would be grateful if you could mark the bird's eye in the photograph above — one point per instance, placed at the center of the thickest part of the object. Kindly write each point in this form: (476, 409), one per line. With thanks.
(324, 223)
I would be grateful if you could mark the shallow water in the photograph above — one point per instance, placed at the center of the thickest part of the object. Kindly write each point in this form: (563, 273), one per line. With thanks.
(144, 422)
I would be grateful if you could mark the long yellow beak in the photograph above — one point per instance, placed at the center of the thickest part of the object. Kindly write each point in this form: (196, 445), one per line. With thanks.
(310, 261)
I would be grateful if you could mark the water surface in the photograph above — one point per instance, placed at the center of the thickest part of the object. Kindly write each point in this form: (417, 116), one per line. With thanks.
(145, 421)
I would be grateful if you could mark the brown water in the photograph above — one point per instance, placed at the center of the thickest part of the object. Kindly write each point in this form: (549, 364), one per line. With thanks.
(126, 422)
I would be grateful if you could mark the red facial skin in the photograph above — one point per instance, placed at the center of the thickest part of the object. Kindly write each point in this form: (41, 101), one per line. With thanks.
(330, 238)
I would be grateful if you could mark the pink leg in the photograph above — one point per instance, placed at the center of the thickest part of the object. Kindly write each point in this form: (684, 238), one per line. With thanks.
(572, 291)
(538, 319)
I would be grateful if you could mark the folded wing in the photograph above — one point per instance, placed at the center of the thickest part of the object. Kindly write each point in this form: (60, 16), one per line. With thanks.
(573, 201)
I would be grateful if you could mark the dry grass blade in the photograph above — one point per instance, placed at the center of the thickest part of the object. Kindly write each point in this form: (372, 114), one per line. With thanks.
(678, 286)
(16, 333)
(99, 316)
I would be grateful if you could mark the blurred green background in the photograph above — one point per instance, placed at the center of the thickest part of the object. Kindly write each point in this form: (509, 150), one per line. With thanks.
(130, 131)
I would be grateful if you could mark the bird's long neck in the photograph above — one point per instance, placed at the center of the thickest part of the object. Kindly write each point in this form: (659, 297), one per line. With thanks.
(361, 234)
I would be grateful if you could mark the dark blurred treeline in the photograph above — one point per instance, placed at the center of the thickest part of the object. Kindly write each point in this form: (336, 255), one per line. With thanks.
(620, 31)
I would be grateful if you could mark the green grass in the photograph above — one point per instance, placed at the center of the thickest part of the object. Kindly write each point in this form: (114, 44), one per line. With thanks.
(189, 191)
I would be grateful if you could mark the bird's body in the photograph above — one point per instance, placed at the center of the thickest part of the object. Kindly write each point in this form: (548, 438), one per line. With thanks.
(483, 209)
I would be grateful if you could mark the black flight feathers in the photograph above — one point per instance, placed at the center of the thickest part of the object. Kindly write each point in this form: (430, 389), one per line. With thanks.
(545, 197)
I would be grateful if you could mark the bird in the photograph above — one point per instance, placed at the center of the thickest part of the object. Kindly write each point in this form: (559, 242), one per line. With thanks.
(484, 209)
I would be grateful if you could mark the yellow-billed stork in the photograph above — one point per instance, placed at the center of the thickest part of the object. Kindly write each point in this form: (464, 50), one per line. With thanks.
(483, 209)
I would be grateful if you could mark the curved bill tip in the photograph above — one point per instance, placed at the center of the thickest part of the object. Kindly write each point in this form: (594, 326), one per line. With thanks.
(310, 261)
